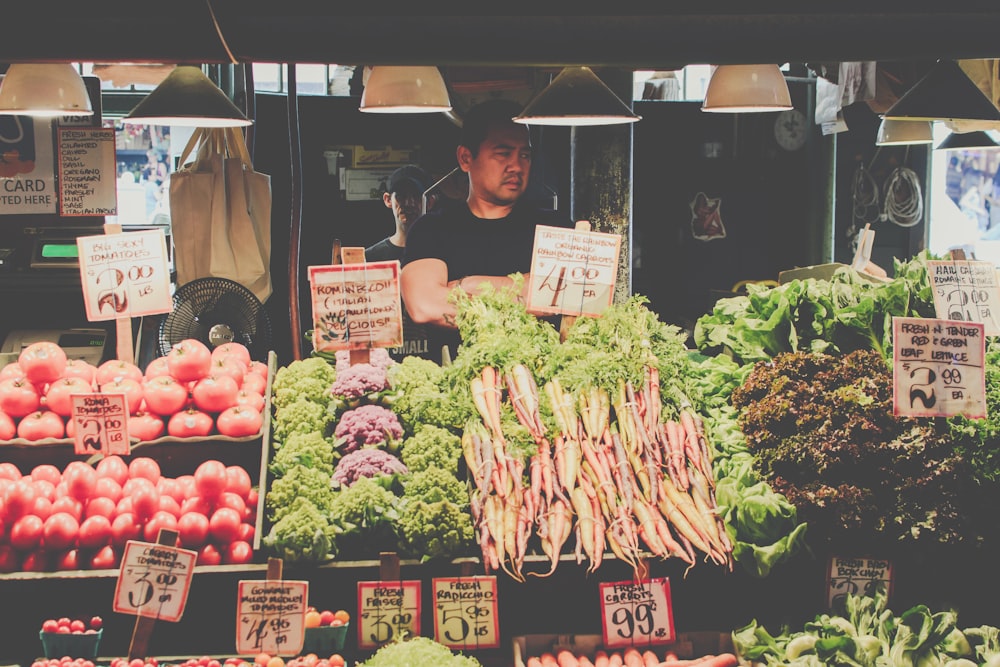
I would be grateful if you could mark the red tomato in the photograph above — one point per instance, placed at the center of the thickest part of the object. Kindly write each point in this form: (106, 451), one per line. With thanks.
(46, 489)
(210, 478)
(11, 370)
(250, 399)
(192, 529)
(18, 397)
(132, 484)
(113, 369)
(165, 396)
(145, 502)
(9, 471)
(231, 366)
(106, 558)
(8, 429)
(255, 382)
(125, 527)
(168, 504)
(114, 467)
(10, 561)
(42, 508)
(95, 532)
(246, 532)
(19, 497)
(215, 393)
(132, 389)
(41, 425)
(69, 505)
(57, 396)
(68, 560)
(157, 368)
(209, 555)
(159, 521)
(239, 422)
(26, 533)
(145, 426)
(145, 468)
(78, 368)
(81, 480)
(252, 500)
(237, 552)
(36, 561)
(238, 481)
(232, 501)
(47, 472)
(189, 359)
(191, 423)
(168, 486)
(108, 488)
(100, 506)
(258, 367)
(43, 361)
(224, 525)
(233, 349)
(186, 484)
(60, 531)
(196, 504)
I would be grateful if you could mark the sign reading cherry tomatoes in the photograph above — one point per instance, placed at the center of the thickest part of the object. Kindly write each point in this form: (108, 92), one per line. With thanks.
(154, 580)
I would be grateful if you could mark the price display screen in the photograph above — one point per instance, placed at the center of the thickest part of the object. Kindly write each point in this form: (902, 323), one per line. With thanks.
(271, 617)
(387, 609)
(637, 613)
(154, 580)
(465, 612)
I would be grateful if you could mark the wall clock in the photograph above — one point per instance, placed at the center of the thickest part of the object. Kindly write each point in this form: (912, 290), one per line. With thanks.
(790, 129)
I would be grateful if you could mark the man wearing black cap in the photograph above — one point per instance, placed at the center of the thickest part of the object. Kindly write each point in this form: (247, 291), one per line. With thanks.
(404, 196)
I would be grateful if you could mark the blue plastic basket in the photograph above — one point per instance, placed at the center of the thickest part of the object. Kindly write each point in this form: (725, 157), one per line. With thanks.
(62, 644)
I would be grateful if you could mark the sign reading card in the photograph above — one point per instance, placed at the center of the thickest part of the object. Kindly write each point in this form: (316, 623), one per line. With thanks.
(154, 580)
(465, 612)
(100, 424)
(271, 617)
(386, 610)
(125, 275)
(27, 168)
(856, 576)
(573, 272)
(938, 368)
(966, 291)
(87, 171)
(356, 306)
(637, 613)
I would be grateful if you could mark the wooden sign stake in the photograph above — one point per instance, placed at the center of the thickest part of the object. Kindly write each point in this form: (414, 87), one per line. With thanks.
(389, 566)
(123, 324)
(274, 569)
(143, 631)
(566, 321)
(356, 255)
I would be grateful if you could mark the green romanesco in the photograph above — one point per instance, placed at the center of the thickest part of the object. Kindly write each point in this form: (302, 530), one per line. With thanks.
(422, 395)
(309, 449)
(300, 482)
(433, 485)
(309, 378)
(432, 446)
(301, 416)
(365, 505)
(428, 530)
(302, 535)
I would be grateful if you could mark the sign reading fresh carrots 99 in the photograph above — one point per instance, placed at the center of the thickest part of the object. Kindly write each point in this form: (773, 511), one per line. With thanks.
(637, 613)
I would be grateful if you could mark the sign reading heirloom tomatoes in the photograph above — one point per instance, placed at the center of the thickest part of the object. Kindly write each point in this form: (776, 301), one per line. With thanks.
(573, 272)
(966, 291)
(465, 612)
(938, 368)
(386, 610)
(271, 617)
(637, 613)
(356, 306)
(100, 424)
(125, 275)
(154, 580)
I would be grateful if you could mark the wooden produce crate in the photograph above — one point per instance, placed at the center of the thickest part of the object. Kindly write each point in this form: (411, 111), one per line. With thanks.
(688, 645)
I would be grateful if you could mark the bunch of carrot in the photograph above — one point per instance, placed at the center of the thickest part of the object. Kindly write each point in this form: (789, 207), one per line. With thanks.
(630, 657)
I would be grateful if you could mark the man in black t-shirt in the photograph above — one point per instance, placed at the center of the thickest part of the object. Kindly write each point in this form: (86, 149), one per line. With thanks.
(484, 240)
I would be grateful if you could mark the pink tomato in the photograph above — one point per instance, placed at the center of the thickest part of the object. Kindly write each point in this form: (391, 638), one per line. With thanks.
(42, 361)
(19, 397)
(239, 422)
(80, 369)
(114, 369)
(130, 387)
(157, 368)
(165, 396)
(58, 395)
(189, 359)
(41, 425)
(114, 467)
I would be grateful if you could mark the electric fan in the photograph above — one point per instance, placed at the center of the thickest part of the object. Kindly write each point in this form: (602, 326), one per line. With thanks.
(216, 311)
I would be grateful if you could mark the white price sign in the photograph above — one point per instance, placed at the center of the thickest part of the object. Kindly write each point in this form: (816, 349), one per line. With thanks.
(125, 275)
(637, 613)
(573, 272)
(154, 580)
(100, 424)
(386, 610)
(271, 617)
(465, 612)
(856, 576)
(966, 291)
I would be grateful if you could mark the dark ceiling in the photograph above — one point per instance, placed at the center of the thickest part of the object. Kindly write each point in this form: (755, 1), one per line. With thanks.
(321, 32)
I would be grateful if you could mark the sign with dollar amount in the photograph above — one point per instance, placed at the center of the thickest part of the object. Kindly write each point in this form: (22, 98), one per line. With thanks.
(271, 617)
(356, 306)
(125, 275)
(856, 576)
(637, 613)
(938, 368)
(100, 423)
(386, 610)
(465, 612)
(966, 291)
(154, 580)
(573, 272)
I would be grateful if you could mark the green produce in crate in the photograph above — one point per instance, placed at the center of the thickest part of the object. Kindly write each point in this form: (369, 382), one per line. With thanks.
(432, 446)
(301, 416)
(364, 513)
(423, 395)
(300, 482)
(435, 484)
(309, 449)
(303, 534)
(309, 378)
(418, 652)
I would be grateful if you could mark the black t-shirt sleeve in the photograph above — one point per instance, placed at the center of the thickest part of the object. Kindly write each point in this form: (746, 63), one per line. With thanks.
(424, 240)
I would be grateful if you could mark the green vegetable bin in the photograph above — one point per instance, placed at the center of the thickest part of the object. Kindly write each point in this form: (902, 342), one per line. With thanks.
(325, 641)
(61, 644)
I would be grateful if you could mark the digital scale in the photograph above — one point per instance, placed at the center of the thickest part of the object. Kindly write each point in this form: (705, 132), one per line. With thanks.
(85, 344)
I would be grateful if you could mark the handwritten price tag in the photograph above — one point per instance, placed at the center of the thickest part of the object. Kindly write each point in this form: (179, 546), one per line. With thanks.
(938, 368)
(100, 423)
(637, 613)
(387, 609)
(465, 612)
(966, 291)
(271, 617)
(356, 306)
(154, 580)
(856, 576)
(573, 272)
(125, 275)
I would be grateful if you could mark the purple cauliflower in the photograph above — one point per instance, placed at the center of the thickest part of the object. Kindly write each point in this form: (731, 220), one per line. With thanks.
(377, 356)
(359, 380)
(368, 425)
(366, 462)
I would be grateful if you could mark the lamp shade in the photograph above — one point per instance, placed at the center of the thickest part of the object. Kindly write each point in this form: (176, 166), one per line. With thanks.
(405, 89)
(895, 132)
(186, 97)
(747, 88)
(978, 139)
(44, 89)
(576, 97)
(945, 93)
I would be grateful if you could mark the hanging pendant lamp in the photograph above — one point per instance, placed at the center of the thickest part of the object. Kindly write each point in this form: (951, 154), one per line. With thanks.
(576, 97)
(895, 132)
(44, 89)
(186, 97)
(405, 89)
(956, 140)
(945, 93)
(746, 89)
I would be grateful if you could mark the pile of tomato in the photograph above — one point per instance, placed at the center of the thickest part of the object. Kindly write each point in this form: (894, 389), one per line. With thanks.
(191, 391)
(81, 517)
